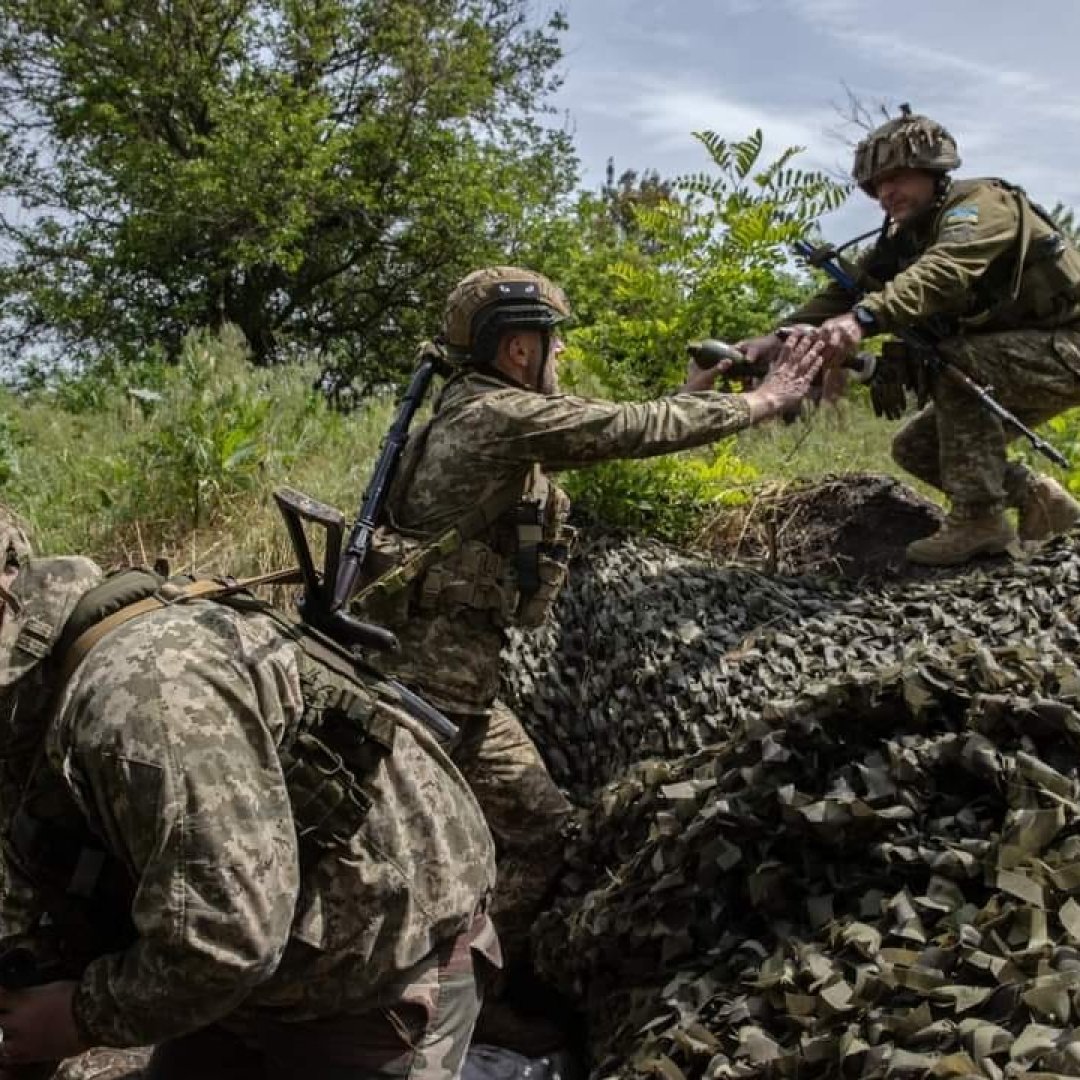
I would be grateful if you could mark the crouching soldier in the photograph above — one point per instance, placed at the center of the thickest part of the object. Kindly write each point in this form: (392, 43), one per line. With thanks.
(249, 855)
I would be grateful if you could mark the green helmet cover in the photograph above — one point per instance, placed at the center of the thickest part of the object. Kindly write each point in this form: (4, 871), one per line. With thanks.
(500, 296)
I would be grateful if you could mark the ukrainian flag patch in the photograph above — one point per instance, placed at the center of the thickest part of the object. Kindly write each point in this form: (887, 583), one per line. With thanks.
(961, 215)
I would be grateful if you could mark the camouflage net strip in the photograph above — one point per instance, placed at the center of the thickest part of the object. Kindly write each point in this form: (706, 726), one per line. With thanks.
(858, 850)
(657, 653)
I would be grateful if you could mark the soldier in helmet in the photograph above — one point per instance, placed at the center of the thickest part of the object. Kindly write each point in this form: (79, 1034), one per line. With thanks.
(220, 839)
(983, 270)
(481, 465)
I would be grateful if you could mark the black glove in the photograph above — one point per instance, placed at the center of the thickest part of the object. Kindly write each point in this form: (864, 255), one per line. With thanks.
(915, 368)
(923, 369)
(887, 389)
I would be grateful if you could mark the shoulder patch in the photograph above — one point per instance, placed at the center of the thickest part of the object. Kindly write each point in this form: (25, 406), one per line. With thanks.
(961, 215)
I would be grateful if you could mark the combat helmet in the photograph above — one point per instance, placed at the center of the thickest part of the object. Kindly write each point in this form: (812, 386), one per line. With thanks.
(497, 297)
(35, 610)
(908, 141)
(15, 546)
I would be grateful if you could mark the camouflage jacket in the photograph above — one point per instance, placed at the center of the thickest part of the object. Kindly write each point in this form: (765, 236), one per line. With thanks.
(167, 739)
(487, 433)
(982, 258)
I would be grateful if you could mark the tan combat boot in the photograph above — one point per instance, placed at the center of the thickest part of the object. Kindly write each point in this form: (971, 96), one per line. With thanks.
(962, 536)
(1048, 509)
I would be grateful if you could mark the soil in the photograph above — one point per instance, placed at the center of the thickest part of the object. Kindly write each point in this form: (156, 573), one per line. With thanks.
(854, 526)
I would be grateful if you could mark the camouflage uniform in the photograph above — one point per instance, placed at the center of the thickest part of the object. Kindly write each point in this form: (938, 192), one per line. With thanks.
(943, 272)
(168, 741)
(985, 273)
(488, 434)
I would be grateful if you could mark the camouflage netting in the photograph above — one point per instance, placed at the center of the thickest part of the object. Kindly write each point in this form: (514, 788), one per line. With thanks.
(832, 830)
(841, 829)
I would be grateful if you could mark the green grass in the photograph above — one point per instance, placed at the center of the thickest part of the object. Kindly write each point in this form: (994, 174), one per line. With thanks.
(188, 476)
(186, 472)
(827, 440)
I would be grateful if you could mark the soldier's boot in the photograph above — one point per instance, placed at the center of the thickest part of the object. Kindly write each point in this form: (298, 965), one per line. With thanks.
(1047, 510)
(962, 536)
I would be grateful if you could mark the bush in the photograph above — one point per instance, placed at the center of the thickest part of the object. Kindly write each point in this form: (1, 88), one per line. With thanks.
(668, 497)
(183, 464)
(1064, 432)
(9, 451)
(207, 441)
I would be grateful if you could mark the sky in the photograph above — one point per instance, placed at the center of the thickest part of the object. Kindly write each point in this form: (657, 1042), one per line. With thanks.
(641, 75)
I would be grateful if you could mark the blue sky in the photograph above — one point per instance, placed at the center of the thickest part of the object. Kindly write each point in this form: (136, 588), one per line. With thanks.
(641, 75)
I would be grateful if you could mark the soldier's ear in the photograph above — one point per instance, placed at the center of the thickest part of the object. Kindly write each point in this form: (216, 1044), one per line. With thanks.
(514, 353)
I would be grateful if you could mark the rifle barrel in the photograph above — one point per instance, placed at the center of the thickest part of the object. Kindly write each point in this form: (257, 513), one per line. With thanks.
(367, 519)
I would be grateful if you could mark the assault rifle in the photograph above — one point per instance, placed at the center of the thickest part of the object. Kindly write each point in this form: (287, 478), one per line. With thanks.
(327, 592)
(925, 345)
(432, 362)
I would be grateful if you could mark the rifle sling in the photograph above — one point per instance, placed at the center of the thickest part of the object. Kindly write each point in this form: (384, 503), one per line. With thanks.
(203, 588)
(446, 543)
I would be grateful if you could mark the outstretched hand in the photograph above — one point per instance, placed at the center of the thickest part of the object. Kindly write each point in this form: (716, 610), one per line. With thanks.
(790, 377)
(842, 336)
(699, 378)
(760, 350)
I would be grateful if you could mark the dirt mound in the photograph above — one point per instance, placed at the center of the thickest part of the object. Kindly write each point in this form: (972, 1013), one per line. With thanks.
(658, 652)
(853, 526)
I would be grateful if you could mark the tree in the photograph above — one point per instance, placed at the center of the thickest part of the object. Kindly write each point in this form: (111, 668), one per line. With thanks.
(314, 171)
(1065, 219)
(707, 255)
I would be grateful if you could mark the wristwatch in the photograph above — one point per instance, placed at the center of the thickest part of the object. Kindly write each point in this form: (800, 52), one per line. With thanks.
(865, 318)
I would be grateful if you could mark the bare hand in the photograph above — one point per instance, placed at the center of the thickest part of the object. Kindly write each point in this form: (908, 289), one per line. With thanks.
(841, 336)
(789, 379)
(38, 1024)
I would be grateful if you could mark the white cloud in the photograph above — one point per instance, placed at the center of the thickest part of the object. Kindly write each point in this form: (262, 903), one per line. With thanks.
(642, 77)
(666, 111)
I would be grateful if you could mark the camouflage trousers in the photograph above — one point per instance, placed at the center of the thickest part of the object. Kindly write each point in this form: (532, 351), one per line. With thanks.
(422, 1035)
(958, 446)
(525, 811)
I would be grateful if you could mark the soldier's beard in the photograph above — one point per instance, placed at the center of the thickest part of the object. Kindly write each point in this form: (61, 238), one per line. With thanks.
(549, 378)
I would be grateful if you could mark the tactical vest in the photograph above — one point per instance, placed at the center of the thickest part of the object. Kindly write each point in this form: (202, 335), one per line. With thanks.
(1037, 283)
(506, 560)
(329, 760)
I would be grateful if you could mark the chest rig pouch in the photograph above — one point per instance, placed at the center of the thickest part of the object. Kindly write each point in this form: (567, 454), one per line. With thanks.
(344, 732)
(515, 574)
(543, 545)
(331, 759)
(511, 576)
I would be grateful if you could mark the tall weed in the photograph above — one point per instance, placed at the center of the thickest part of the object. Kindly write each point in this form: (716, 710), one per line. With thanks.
(666, 496)
(183, 463)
